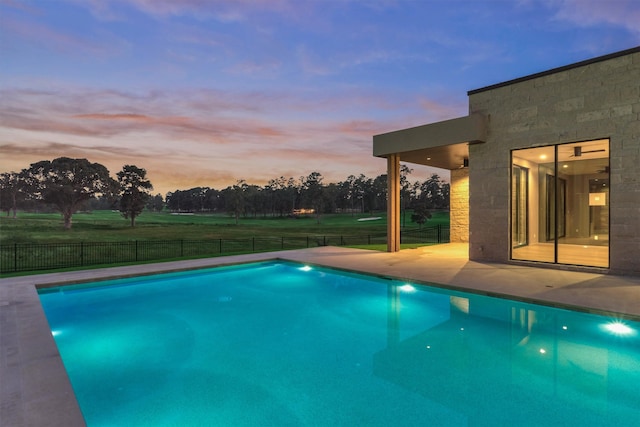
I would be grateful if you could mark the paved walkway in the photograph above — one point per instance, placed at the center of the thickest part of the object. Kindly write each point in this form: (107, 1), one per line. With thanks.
(35, 390)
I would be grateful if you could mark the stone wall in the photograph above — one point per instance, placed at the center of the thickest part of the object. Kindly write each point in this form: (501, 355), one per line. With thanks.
(459, 202)
(593, 101)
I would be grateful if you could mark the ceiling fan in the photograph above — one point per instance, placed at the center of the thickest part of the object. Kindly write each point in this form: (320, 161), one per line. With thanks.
(577, 151)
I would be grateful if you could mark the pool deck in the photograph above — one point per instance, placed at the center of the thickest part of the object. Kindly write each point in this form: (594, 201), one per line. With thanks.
(35, 389)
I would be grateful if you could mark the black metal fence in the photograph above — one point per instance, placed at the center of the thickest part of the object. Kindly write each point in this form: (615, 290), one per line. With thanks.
(47, 256)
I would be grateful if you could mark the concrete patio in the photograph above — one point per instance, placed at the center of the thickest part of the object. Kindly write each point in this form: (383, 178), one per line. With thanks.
(35, 390)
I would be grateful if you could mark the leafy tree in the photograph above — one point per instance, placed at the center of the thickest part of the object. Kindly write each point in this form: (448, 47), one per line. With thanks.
(11, 191)
(67, 183)
(198, 196)
(363, 190)
(330, 195)
(420, 215)
(212, 200)
(102, 203)
(254, 199)
(176, 201)
(134, 191)
(293, 190)
(234, 199)
(313, 193)
(405, 190)
(434, 193)
(446, 196)
(282, 194)
(155, 203)
(379, 192)
(343, 193)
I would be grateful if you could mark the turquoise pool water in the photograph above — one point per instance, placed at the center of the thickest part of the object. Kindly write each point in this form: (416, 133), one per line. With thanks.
(281, 344)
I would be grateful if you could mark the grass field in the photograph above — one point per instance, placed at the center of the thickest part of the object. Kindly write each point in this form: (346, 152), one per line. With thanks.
(38, 242)
(108, 226)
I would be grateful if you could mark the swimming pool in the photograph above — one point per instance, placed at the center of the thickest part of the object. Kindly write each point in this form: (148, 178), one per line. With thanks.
(278, 343)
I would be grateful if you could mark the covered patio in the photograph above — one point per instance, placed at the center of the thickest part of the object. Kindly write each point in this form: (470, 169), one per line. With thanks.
(443, 145)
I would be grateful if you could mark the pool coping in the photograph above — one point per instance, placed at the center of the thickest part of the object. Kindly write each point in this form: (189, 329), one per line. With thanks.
(35, 389)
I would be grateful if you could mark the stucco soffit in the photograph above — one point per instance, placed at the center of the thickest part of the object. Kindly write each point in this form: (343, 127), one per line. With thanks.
(467, 129)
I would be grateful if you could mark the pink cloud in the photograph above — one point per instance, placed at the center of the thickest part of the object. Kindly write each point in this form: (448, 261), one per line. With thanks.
(585, 13)
(187, 138)
(45, 36)
(125, 116)
(361, 128)
(437, 111)
(222, 10)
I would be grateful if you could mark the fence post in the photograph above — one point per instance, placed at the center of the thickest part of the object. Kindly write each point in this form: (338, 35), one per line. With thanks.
(136, 251)
(220, 245)
(282, 243)
(368, 239)
(324, 240)
(15, 257)
(81, 253)
(341, 241)
(181, 248)
(253, 244)
(439, 233)
(307, 241)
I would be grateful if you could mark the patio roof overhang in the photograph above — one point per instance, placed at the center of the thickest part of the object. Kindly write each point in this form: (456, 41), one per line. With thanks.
(443, 144)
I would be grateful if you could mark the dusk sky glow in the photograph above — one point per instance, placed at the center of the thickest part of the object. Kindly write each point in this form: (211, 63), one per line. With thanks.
(204, 93)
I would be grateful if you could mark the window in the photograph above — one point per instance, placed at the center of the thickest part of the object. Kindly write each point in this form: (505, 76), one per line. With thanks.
(560, 203)
(519, 197)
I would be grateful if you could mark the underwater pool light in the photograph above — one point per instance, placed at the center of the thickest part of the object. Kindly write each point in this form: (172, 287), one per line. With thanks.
(618, 328)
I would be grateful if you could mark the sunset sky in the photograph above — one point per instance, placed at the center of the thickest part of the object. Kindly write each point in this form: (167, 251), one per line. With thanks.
(204, 93)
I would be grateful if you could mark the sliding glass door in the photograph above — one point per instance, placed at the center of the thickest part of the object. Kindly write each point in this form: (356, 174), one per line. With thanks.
(560, 204)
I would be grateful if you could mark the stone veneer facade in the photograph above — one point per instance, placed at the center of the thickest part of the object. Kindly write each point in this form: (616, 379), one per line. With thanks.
(597, 99)
(459, 206)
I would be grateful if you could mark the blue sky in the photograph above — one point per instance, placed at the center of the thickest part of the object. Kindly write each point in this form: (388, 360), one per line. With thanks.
(203, 93)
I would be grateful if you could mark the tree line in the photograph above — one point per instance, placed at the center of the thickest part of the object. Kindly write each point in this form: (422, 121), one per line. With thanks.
(69, 185)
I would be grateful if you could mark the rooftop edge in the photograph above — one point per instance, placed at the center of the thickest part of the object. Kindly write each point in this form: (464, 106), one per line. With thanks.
(558, 69)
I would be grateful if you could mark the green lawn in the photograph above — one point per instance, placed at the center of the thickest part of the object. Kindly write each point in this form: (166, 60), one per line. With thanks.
(104, 237)
(108, 226)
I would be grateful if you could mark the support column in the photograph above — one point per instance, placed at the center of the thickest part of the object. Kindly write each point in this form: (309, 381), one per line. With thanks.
(393, 203)
(459, 206)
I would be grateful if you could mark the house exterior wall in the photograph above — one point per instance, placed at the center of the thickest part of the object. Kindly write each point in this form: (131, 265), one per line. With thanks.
(593, 101)
(459, 206)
